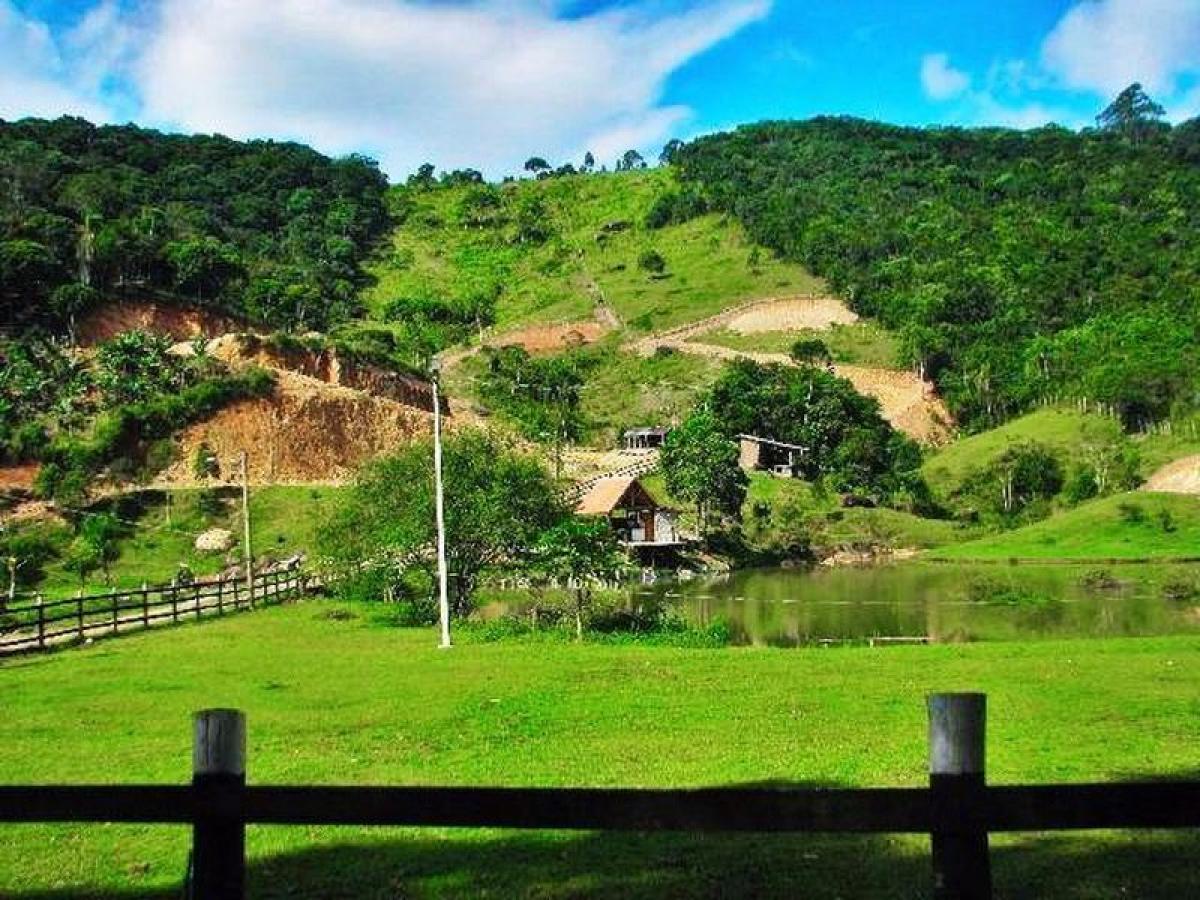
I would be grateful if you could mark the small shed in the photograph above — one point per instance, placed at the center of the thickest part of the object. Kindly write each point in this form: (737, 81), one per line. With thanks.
(636, 517)
(650, 438)
(759, 454)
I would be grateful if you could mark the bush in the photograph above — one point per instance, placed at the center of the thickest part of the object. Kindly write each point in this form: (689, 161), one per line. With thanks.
(652, 261)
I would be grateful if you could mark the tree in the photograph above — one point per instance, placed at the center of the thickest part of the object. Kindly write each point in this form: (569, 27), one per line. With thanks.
(102, 531)
(1023, 475)
(811, 352)
(204, 266)
(24, 553)
(424, 178)
(582, 553)
(589, 162)
(497, 501)
(1132, 113)
(700, 465)
(137, 366)
(630, 160)
(670, 151)
(535, 165)
(844, 438)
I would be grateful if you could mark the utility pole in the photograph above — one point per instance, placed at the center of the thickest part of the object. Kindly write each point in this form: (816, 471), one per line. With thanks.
(443, 594)
(246, 527)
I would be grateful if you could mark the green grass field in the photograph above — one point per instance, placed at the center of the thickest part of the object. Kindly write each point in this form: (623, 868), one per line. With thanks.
(1138, 525)
(358, 703)
(710, 262)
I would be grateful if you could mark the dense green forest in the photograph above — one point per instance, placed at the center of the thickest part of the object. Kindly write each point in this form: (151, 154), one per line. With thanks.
(1018, 266)
(274, 232)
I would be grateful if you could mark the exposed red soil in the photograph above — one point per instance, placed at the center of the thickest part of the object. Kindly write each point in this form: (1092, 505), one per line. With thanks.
(551, 338)
(175, 322)
(307, 431)
(18, 478)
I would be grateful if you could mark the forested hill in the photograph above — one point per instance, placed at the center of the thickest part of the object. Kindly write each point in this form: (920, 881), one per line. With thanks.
(1016, 265)
(273, 232)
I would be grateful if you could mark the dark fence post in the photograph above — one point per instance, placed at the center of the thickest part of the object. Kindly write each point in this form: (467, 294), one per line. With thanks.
(219, 777)
(961, 867)
(41, 608)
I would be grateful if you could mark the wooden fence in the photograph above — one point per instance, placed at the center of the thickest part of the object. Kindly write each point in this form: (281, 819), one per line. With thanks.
(958, 809)
(44, 624)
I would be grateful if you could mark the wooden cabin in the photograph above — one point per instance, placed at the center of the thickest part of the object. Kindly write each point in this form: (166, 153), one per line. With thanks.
(759, 454)
(636, 517)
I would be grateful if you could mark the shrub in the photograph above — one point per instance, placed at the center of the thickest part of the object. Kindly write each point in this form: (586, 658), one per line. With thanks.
(652, 261)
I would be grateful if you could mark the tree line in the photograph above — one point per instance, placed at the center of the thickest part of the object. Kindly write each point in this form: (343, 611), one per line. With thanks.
(273, 232)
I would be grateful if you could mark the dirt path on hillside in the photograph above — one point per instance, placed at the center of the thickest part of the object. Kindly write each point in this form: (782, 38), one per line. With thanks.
(1179, 477)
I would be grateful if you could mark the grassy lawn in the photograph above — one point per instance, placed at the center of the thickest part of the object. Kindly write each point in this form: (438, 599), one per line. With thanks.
(861, 344)
(1137, 525)
(354, 702)
(710, 262)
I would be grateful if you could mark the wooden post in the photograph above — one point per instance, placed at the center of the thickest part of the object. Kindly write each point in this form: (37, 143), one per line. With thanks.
(246, 549)
(237, 603)
(219, 777)
(79, 615)
(174, 603)
(220, 597)
(145, 605)
(961, 866)
(41, 623)
(115, 611)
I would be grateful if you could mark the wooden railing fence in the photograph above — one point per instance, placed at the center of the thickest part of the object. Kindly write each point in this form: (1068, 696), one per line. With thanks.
(958, 809)
(44, 624)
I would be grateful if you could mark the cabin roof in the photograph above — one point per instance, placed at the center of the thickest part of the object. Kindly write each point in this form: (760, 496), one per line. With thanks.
(770, 443)
(604, 496)
(647, 430)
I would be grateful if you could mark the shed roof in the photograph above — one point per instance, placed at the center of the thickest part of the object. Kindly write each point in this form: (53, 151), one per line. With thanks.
(606, 495)
(649, 429)
(769, 442)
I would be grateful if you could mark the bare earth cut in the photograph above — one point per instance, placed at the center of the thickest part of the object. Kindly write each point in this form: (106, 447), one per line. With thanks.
(1179, 477)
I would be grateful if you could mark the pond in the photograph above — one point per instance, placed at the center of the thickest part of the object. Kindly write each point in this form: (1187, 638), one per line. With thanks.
(914, 601)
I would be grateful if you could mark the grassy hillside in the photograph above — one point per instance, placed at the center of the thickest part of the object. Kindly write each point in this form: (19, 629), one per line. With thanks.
(594, 235)
(1064, 430)
(1125, 526)
(346, 701)
(161, 529)
(861, 344)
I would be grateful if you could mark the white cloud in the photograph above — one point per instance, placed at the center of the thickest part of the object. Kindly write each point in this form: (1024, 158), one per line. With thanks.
(484, 84)
(35, 79)
(940, 80)
(987, 110)
(1104, 45)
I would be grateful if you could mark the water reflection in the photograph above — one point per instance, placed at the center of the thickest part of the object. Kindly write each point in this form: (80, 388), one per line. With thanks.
(940, 603)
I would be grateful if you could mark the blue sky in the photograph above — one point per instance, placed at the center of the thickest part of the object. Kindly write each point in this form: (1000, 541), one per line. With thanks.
(488, 83)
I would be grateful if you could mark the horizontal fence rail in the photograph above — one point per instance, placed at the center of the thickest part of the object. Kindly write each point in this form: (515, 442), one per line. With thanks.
(957, 809)
(1006, 808)
(51, 623)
